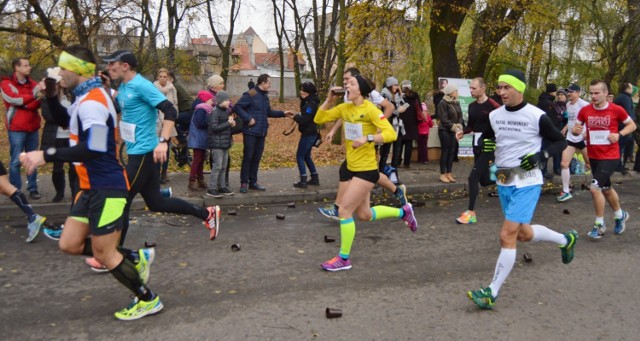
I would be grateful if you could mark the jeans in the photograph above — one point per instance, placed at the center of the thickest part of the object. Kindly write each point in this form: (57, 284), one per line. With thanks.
(20, 141)
(218, 169)
(251, 155)
(303, 155)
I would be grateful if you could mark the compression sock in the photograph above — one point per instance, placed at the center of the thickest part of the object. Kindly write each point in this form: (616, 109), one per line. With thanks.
(21, 200)
(566, 179)
(503, 267)
(131, 255)
(347, 234)
(545, 234)
(127, 274)
(383, 212)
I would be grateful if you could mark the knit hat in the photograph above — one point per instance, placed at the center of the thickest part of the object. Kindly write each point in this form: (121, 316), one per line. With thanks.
(204, 95)
(562, 91)
(214, 81)
(309, 88)
(573, 87)
(551, 87)
(391, 81)
(449, 89)
(406, 84)
(515, 78)
(221, 96)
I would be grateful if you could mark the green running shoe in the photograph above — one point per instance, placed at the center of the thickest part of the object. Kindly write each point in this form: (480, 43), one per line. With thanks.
(147, 256)
(34, 227)
(482, 298)
(139, 309)
(567, 250)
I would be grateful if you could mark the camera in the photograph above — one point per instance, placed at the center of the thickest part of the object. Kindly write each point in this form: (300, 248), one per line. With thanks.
(338, 92)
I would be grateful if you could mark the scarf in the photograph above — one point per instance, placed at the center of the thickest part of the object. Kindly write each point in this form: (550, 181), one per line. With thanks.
(206, 107)
(86, 86)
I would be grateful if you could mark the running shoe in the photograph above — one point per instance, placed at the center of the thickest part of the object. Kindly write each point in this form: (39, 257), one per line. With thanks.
(619, 228)
(34, 227)
(597, 231)
(564, 197)
(401, 194)
(95, 265)
(147, 255)
(467, 217)
(409, 218)
(213, 221)
(166, 192)
(482, 298)
(336, 264)
(53, 234)
(567, 250)
(139, 309)
(330, 212)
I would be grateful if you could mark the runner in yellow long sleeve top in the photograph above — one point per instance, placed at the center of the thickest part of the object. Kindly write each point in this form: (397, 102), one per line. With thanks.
(359, 173)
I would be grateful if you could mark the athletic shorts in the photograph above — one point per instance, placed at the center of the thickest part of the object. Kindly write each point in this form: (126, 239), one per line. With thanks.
(101, 209)
(601, 171)
(346, 175)
(3, 171)
(519, 204)
(577, 145)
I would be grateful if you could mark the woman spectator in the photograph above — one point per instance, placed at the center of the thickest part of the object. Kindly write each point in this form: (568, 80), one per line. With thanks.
(424, 124)
(309, 102)
(408, 129)
(450, 130)
(165, 86)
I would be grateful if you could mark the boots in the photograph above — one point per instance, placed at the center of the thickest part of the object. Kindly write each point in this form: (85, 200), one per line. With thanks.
(315, 181)
(202, 184)
(193, 186)
(302, 183)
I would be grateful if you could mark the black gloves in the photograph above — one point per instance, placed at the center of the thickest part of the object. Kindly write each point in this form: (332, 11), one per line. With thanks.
(488, 145)
(532, 160)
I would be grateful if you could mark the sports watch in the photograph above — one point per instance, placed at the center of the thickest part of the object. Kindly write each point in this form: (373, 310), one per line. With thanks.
(370, 138)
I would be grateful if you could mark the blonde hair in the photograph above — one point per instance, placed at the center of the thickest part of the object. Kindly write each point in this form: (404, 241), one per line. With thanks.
(161, 70)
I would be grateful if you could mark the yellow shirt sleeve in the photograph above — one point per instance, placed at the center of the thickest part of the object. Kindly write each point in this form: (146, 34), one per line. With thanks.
(324, 116)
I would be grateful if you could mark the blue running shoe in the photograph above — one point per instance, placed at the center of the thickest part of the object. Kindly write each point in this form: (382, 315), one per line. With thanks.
(619, 228)
(597, 231)
(34, 227)
(330, 212)
(53, 234)
(401, 194)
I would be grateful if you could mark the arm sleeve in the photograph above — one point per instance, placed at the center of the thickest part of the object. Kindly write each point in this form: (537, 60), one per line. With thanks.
(170, 112)
(551, 133)
(241, 106)
(12, 98)
(77, 153)
(58, 112)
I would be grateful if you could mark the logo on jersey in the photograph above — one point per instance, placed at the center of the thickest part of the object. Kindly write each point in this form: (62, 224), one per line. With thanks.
(599, 122)
(382, 117)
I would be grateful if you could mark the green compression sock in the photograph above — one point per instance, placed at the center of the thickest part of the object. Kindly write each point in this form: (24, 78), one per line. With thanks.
(383, 212)
(347, 234)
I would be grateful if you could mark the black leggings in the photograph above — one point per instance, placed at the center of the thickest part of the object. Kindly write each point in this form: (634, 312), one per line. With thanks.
(448, 143)
(479, 175)
(144, 178)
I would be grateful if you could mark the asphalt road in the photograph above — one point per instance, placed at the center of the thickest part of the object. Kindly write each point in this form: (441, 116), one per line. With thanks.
(403, 286)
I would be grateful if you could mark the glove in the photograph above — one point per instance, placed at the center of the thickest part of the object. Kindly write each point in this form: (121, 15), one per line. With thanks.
(488, 145)
(51, 87)
(531, 160)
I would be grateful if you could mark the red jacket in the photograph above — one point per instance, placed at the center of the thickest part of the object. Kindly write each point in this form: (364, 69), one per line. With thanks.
(21, 104)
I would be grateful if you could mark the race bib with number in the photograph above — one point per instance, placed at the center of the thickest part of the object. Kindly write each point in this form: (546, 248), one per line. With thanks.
(599, 137)
(128, 131)
(530, 178)
(476, 139)
(352, 131)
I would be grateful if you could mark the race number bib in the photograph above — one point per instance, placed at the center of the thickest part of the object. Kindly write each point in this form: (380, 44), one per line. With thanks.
(128, 131)
(352, 131)
(599, 137)
(530, 178)
(476, 139)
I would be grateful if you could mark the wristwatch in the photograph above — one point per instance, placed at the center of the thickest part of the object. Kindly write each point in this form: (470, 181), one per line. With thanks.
(163, 140)
(370, 138)
(51, 151)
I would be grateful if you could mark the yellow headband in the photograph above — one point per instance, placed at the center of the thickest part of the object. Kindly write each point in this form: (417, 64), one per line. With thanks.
(76, 65)
(514, 82)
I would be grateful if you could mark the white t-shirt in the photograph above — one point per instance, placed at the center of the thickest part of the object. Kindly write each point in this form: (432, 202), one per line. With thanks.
(375, 97)
(572, 111)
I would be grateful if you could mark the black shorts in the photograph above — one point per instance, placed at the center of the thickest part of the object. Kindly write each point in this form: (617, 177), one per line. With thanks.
(602, 170)
(346, 175)
(101, 209)
(577, 145)
(3, 171)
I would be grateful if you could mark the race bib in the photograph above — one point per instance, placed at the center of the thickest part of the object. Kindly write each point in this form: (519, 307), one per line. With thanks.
(530, 178)
(352, 131)
(476, 139)
(599, 137)
(128, 131)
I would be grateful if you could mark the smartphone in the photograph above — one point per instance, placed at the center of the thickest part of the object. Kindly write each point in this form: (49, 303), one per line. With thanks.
(98, 136)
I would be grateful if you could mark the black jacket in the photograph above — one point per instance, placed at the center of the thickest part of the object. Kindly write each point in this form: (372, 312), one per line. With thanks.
(449, 113)
(219, 134)
(545, 103)
(410, 117)
(308, 109)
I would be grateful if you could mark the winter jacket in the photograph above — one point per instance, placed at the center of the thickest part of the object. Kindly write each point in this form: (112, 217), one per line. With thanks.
(545, 103)
(410, 117)
(50, 130)
(198, 129)
(308, 108)
(449, 113)
(219, 129)
(21, 104)
(424, 125)
(255, 104)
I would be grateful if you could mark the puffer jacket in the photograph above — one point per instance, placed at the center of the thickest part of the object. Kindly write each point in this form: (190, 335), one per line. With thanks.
(21, 104)
(308, 108)
(255, 104)
(219, 136)
(198, 129)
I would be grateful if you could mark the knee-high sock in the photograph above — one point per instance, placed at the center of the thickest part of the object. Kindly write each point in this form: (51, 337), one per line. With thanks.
(545, 234)
(347, 234)
(503, 267)
(21, 201)
(129, 254)
(383, 212)
(127, 274)
(565, 174)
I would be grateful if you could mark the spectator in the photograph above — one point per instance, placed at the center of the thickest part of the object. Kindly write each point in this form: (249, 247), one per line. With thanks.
(254, 110)
(219, 141)
(391, 92)
(424, 124)
(198, 132)
(449, 130)
(408, 131)
(309, 103)
(626, 142)
(251, 84)
(163, 83)
(546, 103)
(185, 112)
(22, 120)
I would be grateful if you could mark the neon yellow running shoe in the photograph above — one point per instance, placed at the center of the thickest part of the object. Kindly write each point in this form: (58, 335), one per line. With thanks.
(483, 298)
(139, 309)
(147, 256)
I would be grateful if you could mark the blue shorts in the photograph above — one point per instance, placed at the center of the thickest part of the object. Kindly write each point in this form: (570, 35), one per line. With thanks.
(519, 204)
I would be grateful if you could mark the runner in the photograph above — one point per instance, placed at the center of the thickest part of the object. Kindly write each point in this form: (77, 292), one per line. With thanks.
(35, 221)
(96, 220)
(601, 119)
(518, 129)
(359, 173)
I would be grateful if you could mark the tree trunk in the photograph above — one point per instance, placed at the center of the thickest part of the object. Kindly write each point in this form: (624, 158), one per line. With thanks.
(632, 73)
(536, 59)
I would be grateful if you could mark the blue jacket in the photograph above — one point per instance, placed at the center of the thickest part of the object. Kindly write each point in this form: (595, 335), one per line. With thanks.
(255, 104)
(198, 128)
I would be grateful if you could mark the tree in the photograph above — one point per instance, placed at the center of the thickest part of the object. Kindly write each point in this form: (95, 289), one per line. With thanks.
(176, 12)
(225, 47)
(278, 19)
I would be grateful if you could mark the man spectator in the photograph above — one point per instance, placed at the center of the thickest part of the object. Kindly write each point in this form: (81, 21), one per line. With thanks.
(185, 112)
(254, 109)
(626, 142)
(21, 101)
(545, 102)
(251, 84)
